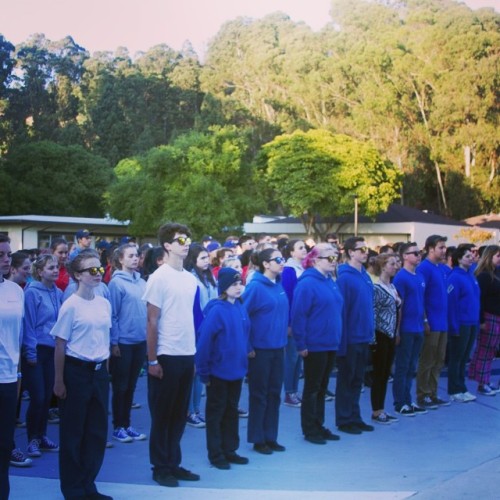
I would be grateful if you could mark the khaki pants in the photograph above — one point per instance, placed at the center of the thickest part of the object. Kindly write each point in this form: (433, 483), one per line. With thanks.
(430, 364)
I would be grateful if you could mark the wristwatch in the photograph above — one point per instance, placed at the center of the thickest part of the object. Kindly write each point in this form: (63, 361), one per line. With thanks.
(153, 363)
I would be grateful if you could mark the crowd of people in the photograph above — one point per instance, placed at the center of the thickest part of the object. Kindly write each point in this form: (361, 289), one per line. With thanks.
(206, 316)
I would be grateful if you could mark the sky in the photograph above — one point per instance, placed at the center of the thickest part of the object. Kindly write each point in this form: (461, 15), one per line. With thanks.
(100, 25)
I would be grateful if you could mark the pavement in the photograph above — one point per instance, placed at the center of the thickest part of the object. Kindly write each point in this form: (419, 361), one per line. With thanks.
(450, 453)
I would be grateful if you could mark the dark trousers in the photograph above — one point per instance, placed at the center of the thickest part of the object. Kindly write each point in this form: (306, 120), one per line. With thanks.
(459, 347)
(39, 381)
(221, 416)
(350, 376)
(406, 359)
(8, 402)
(317, 369)
(265, 379)
(125, 371)
(168, 400)
(83, 427)
(382, 358)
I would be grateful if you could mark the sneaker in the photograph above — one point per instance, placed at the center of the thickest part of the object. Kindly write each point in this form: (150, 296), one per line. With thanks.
(381, 419)
(469, 397)
(194, 421)
(391, 418)
(292, 400)
(20, 424)
(493, 388)
(47, 444)
(25, 396)
(34, 448)
(486, 390)
(165, 479)
(136, 406)
(242, 413)
(185, 475)
(120, 434)
(109, 444)
(329, 396)
(457, 398)
(136, 436)
(417, 410)
(427, 403)
(406, 411)
(53, 416)
(201, 418)
(234, 458)
(19, 459)
(440, 402)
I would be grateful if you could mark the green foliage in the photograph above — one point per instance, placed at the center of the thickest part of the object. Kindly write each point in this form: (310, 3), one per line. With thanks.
(46, 178)
(318, 173)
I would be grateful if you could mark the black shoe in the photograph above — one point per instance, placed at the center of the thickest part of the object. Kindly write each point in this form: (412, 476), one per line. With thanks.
(262, 448)
(315, 439)
(98, 496)
(234, 458)
(221, 464)
(329, 435)
(275, 446)
(349, 429)
(165, 479)
(364, 427)
(185, 475)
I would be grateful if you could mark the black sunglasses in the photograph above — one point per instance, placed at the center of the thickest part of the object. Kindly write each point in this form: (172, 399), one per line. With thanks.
(416, 254)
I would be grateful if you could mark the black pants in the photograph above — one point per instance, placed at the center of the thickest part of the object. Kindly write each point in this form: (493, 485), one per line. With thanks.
(83, 427)
(125, 371)
(350, 375)
(8, 403)
(317, 369)
(221, 414)
(168, 400)
(382, 357)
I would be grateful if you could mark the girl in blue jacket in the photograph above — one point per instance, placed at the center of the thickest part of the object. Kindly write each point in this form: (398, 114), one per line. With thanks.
(267, 305)
(221, 362)
(42, 301)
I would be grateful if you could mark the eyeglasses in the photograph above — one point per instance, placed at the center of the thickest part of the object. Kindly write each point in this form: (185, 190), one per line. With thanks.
(330, 258)
(182, 240)
(278, 260)
(415, 253)
(362, 249)
(93, 271)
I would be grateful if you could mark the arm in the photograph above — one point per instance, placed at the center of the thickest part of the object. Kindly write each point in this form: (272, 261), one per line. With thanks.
(59, 354)
(29, 335)
(115, 298)
(152, 340)
(299, 316)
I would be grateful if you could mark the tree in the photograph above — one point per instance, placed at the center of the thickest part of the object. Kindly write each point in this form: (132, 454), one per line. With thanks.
(317, 174)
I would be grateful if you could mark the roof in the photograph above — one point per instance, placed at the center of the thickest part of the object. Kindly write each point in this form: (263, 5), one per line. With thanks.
(485, 220)
(56, 219)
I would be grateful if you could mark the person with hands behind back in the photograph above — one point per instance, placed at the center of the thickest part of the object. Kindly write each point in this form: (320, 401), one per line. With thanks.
(222, 361)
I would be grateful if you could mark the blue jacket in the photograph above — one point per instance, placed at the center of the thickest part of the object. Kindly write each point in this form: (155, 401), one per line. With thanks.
(411, 288)
(129, 316)
(41, 306)
(436, 296)
(289, 277)
(317, 313)
(222, 348)
(463, 300)
(267, 306)
(358, 322)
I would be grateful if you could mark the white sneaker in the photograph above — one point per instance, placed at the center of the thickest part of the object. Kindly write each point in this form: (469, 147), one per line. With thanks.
(469, 397)
(458, 397)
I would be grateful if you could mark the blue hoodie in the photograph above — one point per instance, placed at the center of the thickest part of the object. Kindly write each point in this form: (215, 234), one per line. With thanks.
(463, 300)
(41, 306)
(222, 348)
(317, 312)
(358, 322)
(267, 306)
(128, 309)
(289, 277)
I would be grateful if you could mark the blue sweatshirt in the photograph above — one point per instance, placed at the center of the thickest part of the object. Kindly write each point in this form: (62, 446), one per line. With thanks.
(411, 288)
(129, 315)
(317, 312)
(222, 348)
(289, 277)
(436, 296)
(267, 306)
(41, 306)
(358, 321)
(463, 300)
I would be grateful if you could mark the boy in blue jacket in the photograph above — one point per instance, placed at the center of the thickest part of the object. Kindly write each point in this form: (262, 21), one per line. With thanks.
(222, 361)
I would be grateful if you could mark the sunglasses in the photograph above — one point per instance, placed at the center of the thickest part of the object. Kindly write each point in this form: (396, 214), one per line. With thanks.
(93, 271)
(362, 249)
(278, 260)
(330, 258)
(416, 254)
(182, 240)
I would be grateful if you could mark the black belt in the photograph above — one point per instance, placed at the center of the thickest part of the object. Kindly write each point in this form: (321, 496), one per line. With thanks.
(90, 365)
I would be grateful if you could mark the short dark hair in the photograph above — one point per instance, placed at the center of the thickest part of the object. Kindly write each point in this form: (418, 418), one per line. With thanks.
(350, 244)
(167, 232)
(245, 237)
(4, 238)
(405, 246)
(433, 240)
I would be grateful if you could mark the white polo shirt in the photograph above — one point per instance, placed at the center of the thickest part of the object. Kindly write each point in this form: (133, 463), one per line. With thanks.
(173, 292)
